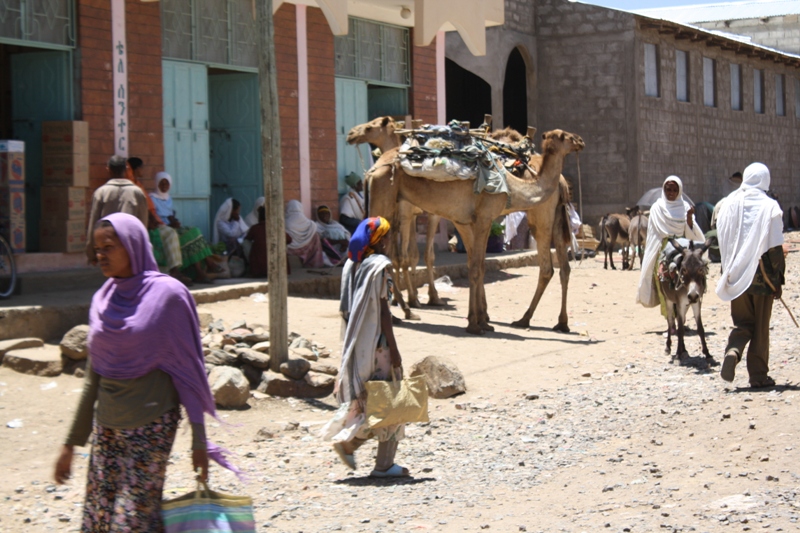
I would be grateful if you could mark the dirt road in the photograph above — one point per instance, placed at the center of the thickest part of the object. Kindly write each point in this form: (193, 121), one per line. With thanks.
(594, 430)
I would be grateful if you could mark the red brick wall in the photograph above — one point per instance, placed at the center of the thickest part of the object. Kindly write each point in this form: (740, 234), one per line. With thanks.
(423, 82)
(145, 131)
(94, 42)
(322, 112)
(286, 64)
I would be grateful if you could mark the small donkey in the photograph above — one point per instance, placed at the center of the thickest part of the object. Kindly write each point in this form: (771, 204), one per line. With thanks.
(613, 229)
(683, 280)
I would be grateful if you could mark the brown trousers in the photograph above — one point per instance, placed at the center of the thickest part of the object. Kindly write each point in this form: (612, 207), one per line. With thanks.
(751, 314)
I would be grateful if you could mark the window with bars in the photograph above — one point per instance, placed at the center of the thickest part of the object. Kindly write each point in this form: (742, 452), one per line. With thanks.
(709, 82)
(736, 87)
(375, 52)
(682, 75)
(780, 95)
(651, 71)
(42, 21)
(213, 31)
(758, 91)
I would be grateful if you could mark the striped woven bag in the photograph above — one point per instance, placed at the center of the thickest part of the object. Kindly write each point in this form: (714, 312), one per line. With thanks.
(206, 511)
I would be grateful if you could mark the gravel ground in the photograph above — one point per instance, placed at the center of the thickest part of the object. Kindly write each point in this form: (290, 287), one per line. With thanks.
(594, 430)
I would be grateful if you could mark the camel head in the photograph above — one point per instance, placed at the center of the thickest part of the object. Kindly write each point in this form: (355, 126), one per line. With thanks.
(379, 132)
(561, 142)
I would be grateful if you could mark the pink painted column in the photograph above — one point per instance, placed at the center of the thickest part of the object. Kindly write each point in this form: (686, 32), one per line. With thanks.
(119, 67)
(302, 110)
(441, 99)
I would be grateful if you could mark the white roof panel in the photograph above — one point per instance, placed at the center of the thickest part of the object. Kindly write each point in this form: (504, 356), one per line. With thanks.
(752, 9)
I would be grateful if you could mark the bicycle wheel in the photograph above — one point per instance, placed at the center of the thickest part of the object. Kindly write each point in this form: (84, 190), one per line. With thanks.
(8, 270)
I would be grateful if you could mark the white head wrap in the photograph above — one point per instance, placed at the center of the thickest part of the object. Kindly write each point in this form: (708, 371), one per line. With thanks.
(224, 214)
(252, 217)
(157, 193)
(749, 223)
(299, 227)
(667, 218)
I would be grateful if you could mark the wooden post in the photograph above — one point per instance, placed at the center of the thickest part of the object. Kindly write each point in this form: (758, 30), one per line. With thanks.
(273, 187)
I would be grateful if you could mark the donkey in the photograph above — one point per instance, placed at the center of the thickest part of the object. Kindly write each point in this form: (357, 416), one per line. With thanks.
(612, 228)
(683, 287)
(637, 234)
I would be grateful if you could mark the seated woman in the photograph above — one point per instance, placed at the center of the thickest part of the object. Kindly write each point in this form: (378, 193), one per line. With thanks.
(307, 244)
(257, 235)
(329, 229)
(229, 228)
(195, 252)
(252, 217)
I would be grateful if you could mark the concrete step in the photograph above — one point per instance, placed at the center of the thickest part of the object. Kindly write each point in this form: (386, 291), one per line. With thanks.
(59, 281)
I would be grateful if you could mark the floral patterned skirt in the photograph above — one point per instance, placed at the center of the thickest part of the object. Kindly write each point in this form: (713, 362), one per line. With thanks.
(126, 476)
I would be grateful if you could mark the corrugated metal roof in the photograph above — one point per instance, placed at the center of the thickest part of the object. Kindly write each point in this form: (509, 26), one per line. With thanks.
(752, 9)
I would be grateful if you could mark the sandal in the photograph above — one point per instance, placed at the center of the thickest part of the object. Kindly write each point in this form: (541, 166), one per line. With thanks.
(764, 383)
(347, 458)
(394, 471)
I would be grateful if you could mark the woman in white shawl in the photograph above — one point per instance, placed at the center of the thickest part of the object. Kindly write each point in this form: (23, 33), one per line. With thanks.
(306, 241)
(670, 216)
(329, 229)
(252, 217)
(369, 352)
(750, 232)
(229, 227)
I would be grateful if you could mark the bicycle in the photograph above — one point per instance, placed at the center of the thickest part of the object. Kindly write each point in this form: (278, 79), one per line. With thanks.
(8, 270)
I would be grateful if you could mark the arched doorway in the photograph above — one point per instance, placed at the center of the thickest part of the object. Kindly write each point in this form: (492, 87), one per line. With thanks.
(515, 93)
(469, 97)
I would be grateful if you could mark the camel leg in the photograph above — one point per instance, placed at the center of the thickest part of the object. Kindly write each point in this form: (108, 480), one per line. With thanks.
(473, 262)
(409, 254)
(543, 239)
(563, 274)
(430, 255)
(612, 243)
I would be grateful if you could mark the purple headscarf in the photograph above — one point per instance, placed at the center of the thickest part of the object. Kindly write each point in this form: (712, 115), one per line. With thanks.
(148, 322)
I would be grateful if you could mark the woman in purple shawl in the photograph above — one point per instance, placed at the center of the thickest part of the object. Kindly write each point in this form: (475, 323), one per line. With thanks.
(145, 361)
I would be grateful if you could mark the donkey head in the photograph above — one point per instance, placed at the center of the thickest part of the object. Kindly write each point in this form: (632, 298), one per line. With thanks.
(693, 269)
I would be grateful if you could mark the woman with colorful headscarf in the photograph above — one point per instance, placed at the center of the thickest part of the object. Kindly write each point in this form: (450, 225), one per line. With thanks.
(145, 361)
(670, 216)
(369, 349)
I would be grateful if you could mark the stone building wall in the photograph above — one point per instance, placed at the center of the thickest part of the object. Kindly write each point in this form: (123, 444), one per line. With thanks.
(586, 63)
(781, 33)
(705, 145)
(519, 16)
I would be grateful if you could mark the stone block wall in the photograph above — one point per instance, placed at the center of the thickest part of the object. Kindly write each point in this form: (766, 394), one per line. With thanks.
(705, 145)
(781, 33)
(585, 58)
(519, 16)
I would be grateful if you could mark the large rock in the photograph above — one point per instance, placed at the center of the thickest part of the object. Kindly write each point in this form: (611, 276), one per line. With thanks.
(262, 347)
(258, 335)
(304, 353)
(221, 358)
(205, 318)
(252, 374)
(295, 368)
(318, 380)
(323, 368)
(73, 345)
(229, 387)
(42, 361)
(442, 376)
(19, 344)
(276, 384)
(252, 357)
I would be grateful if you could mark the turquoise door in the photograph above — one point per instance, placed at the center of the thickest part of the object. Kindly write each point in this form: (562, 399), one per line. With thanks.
(235, 118)
(40, 90)
(351, 110)
(186, 157)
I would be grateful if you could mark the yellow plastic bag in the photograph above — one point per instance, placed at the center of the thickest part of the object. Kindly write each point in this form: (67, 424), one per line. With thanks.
(396, 402)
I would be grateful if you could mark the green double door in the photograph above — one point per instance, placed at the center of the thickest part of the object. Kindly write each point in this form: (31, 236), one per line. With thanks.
(41, 90)
(211, 140)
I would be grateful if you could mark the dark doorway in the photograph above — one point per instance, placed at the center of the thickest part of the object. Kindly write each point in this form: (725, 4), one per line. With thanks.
(515, 93)
(468, 96)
